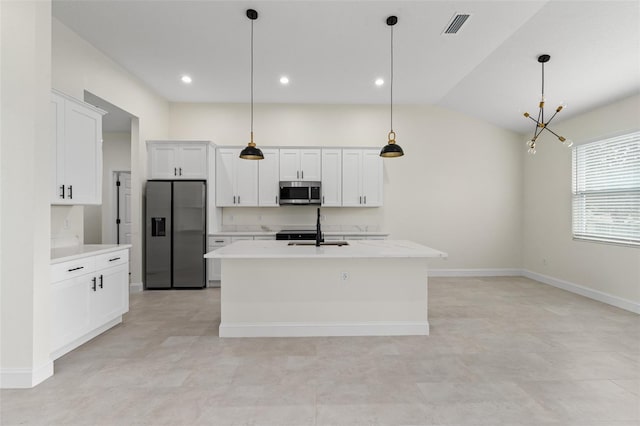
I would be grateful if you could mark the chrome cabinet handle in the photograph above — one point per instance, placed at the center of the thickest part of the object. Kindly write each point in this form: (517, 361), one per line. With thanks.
(93, 280)
(62, 188)
(70, 192)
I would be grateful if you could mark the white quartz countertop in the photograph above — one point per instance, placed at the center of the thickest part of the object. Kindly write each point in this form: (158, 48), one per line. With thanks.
(273, 233)
(64, 254)
(356, 249)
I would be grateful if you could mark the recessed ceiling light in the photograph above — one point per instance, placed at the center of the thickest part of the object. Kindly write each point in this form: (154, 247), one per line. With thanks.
(379, 82)
(284, 80)
(186, 79)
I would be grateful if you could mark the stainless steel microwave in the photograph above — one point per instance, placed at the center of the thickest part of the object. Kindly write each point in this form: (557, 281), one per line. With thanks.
(299, 192)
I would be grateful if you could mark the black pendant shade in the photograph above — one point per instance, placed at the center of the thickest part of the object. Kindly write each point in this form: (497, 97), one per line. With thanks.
(251, 152)
(391, 149)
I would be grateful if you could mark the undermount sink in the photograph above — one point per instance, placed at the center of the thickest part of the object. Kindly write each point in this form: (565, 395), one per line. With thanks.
(313, 243)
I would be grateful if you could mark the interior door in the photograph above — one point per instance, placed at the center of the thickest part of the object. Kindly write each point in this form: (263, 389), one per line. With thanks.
(124, 208)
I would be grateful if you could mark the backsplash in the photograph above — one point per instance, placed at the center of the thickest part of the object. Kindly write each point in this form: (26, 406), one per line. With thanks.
(67, 227)
(302, 217)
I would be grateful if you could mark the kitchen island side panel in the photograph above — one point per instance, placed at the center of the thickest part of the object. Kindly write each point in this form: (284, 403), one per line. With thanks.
(306, 297)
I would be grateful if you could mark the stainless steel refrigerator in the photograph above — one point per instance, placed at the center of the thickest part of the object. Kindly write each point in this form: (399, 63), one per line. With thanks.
(175, 222)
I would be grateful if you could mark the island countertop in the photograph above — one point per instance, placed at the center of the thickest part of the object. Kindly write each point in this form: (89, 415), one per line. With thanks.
(355, 249)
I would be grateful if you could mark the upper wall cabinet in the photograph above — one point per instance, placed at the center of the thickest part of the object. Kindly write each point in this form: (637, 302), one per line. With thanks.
(332, 177)
(268, 178)
(300, 164)
(361, 178)
(236, 179)
(76, 151)
(177, 159)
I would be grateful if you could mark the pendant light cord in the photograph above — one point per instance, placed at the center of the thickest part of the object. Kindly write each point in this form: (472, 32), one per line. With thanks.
(252, 80)
(391, 78)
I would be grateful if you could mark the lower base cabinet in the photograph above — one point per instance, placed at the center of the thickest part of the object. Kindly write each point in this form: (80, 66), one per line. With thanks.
(89, 296)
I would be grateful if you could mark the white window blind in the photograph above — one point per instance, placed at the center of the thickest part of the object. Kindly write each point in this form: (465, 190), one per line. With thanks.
(606, 190)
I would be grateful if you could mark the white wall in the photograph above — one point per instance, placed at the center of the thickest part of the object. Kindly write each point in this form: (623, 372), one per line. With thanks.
(611, 269)
(457, 189)
(116, 156)
(25, 57)
(77, 66)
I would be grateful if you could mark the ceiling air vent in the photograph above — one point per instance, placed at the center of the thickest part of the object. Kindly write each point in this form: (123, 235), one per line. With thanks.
(456, 23)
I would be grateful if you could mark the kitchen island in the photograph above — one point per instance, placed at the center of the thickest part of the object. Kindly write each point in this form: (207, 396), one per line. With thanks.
(365, 288)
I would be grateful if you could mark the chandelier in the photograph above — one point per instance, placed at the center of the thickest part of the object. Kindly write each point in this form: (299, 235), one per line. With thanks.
(541, 125)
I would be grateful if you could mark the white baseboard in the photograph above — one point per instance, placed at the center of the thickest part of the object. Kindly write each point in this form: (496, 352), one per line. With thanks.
(475, 272)
(399, 328)
(24, 378)
(600, 296)
(135, 287)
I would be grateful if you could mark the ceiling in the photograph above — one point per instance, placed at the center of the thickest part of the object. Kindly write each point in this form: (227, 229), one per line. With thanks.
(332, 51)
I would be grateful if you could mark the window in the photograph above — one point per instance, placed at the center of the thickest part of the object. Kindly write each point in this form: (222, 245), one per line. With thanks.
(606, 190)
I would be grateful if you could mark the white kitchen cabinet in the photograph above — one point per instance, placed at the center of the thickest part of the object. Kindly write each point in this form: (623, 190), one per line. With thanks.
(76, 151)
(361, 178)
(300, 164)
(177, 159)
(236, 179)
(89, 295)
(269, 178)
(331, 177)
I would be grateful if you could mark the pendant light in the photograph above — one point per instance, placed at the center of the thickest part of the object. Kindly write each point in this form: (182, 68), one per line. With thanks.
(251, 152)
(540, 124)
(391, 149)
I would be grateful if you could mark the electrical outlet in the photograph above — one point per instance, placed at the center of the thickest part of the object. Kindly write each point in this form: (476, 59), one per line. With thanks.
(344, 276)
(544, 261)
(66, 224)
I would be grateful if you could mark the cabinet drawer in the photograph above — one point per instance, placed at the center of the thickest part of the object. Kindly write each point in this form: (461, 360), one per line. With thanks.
(112, 259)
(219, 241)
(71, 269)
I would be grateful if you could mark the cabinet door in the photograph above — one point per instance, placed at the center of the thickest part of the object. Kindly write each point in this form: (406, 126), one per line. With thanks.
(331, 177)
(82, 154)
(57, 149)
(225, 173)
(163, 162)
(351, 195)
(246, 182)
(310, 165)
(193, 162)
(371, 178)
(69, 310)
(110, 298)
(289, 164)
(269, 178)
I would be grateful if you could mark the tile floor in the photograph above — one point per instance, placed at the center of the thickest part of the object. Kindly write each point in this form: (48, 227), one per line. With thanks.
(502, 351)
